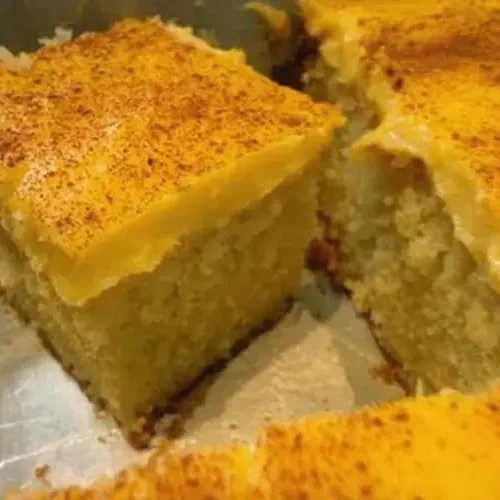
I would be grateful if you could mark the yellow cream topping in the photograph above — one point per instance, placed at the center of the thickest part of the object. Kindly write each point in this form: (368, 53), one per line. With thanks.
(427, 67)
(116, 145)
(141, 244)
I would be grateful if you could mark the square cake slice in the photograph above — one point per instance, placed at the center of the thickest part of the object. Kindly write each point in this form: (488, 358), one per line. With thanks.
(412, 194)
(157, 196)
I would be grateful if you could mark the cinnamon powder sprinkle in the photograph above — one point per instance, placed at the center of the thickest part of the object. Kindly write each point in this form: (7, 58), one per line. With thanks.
(104, 126)
(441, 58)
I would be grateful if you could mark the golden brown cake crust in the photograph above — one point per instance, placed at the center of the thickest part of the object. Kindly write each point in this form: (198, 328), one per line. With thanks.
(445, 446)
(217, 475)
(438, 447)
(104, 126)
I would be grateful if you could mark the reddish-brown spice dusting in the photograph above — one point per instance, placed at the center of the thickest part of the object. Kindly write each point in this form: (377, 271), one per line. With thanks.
(118, 120)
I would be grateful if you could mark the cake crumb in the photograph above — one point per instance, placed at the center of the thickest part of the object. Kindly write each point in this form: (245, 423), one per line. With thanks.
(384, 372)
(322, 254)
(166, 423)
(420, 389)
(41, 472)
(159, 443)
(100, 413)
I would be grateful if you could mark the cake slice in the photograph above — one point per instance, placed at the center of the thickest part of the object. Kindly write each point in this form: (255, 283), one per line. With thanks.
(157, 196)
(412, 194)
(445, 446)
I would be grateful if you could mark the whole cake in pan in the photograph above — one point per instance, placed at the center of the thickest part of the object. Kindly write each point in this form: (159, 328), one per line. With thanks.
(157, 197)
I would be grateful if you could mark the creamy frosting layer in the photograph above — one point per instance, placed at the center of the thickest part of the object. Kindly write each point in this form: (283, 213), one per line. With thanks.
(431, 69)
(115, 145)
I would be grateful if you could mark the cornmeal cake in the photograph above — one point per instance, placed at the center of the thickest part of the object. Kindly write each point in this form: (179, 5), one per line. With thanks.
(412, 194)
(156, 199)
(445, 446)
